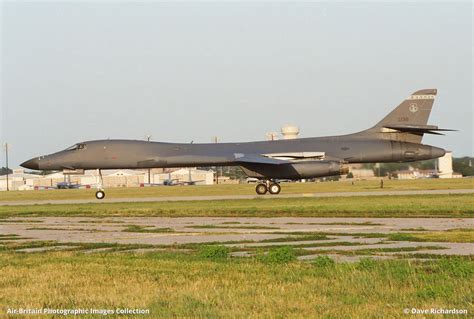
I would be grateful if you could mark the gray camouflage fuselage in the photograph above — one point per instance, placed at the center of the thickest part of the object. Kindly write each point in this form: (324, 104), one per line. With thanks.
(395, 139)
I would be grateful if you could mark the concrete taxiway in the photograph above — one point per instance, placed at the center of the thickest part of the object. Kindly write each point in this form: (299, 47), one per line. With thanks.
(92, 200)
(243, 231)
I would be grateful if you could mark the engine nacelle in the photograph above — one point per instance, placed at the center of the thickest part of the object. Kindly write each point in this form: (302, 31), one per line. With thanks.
(298, 170)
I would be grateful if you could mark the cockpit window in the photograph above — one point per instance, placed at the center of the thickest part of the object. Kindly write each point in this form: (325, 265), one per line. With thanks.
(76, 147)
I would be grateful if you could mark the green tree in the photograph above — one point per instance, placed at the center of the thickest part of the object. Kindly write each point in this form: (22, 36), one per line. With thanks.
(464, 165)
(3, 171)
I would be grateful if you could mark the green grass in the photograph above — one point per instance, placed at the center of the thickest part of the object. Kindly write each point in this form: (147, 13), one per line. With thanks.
(297, 236)
(101, 221)
(190, 285)
(3, 221)
(348, 224)
(309, 245)
(69, 246)
(278, 255)
(214, 252)
(68, 229)
(8, 235)
(323, 262)
(147, 229)
(232, 227)
(5, 237)
(242, 189)
(414, 229)
(384, 206)
(463, 235)
(373, 251)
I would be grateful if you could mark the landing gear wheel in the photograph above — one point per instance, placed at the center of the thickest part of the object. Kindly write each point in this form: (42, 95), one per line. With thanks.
(100, 194)
(261, 189)
(274, 188)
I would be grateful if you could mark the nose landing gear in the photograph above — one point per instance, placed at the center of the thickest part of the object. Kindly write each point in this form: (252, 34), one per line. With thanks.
(100, 194)
(268, 186)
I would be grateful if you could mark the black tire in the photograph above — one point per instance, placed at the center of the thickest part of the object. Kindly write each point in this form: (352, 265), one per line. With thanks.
(274, 189)
(261, 189)
(100, 195)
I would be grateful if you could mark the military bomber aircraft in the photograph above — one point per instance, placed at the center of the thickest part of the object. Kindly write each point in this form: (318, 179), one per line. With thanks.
(396, 138)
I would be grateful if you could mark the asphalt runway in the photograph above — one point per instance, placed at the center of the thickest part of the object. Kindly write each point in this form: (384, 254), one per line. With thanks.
(93, 200)
(242, 231)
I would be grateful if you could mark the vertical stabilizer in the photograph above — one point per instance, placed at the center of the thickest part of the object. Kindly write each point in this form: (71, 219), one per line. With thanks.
(415, 110)
(408, 121)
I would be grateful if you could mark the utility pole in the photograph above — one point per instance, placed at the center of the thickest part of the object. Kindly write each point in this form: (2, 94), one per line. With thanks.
(149, 170)
(6, 160)
(217, 171)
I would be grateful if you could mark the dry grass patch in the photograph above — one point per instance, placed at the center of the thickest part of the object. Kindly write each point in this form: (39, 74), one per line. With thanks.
(177, 285)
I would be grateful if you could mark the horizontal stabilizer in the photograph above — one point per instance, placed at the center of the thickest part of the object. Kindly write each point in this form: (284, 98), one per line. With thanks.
(416, 129)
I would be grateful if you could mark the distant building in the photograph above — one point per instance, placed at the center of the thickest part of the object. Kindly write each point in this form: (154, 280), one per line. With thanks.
(186, 175)
(362, 173)
(445, 166)
(90, 178)
(18, 180)
(422, 173)
(405, 174)
(228, 180)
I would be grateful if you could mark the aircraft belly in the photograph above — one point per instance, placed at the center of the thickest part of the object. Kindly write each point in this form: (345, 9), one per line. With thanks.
(308, 169)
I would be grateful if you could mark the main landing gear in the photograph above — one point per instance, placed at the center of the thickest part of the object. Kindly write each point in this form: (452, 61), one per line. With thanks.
(100, 194)
(268, 186)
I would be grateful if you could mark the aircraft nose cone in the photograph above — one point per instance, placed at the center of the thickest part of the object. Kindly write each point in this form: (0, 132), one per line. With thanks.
(31, 164)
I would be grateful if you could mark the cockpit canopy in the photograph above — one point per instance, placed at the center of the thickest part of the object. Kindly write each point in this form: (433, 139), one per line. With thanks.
(78, 146)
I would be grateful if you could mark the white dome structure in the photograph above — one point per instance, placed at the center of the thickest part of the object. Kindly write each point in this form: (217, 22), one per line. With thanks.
(290, 131)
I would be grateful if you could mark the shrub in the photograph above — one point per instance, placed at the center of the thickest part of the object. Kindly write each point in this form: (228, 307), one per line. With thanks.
(214, 252)
(323, 261)
(280, 255)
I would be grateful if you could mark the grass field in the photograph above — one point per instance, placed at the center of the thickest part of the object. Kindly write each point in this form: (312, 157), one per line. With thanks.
(242, 189)
(202, 281)
(174, 285)
(380, 206)
(453, 235)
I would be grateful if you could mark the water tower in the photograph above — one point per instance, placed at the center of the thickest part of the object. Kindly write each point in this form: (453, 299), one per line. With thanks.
(290, 131)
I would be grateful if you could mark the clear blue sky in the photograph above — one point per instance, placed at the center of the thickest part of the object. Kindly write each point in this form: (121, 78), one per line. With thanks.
(73, 71)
